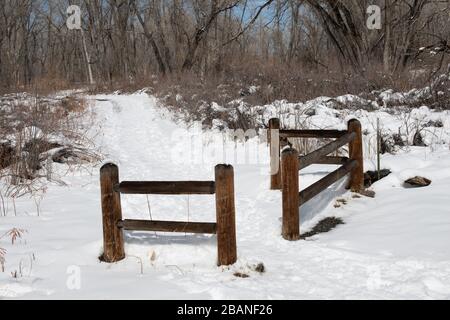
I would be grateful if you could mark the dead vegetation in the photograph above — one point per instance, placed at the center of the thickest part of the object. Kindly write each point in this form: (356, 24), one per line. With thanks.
(324, 225)
(2, 259)
(231, 97)
(14, 235)
(37, 131)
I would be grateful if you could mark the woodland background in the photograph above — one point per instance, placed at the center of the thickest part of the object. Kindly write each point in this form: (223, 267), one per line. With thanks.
(295, 49)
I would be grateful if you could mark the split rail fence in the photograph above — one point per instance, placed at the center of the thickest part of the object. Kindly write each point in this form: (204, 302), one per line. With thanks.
(113, 224)
(285, 169)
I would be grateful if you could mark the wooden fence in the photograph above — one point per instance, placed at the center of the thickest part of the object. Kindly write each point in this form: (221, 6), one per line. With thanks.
(287, 178)
(113, 224)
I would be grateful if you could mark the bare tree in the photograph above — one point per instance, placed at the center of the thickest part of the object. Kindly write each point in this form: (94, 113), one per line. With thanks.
(122, 40)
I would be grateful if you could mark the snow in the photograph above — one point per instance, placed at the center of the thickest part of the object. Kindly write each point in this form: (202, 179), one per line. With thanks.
(253, 89)
(394, 246)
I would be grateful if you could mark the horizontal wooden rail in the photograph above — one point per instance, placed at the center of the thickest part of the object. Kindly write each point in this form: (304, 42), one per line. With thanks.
(168, 226)
(315, 156)
(312, 133)
(332, 160)
(167, 187)
(316, 188)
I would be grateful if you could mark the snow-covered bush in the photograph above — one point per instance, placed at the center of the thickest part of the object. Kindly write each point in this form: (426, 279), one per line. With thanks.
(33, 130)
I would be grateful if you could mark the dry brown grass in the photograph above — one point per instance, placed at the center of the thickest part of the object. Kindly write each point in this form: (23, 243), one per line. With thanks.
(43, 86)
(13, 234)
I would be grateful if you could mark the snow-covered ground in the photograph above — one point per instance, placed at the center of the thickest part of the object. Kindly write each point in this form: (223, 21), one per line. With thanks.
(394, 246)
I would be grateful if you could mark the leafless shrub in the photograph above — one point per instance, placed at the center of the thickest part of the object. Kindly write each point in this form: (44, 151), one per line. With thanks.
(14, 234)
(256, 82)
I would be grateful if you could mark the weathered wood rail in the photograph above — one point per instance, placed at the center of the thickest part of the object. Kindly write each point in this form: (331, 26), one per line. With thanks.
(290, 163)
(113, 224)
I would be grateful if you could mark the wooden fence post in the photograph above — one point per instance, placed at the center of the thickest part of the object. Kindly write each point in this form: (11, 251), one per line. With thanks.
(225, 212)
(290, 181)
(356, 153)
(113, 245)
(274, 145)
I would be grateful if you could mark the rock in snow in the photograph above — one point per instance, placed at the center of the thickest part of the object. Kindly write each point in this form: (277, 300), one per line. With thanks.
(418, 182)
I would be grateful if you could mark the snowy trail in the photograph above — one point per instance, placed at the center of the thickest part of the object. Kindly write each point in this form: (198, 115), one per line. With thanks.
(393, 246)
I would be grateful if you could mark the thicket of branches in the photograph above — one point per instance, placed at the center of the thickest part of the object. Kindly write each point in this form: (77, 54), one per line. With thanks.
(128, 41)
